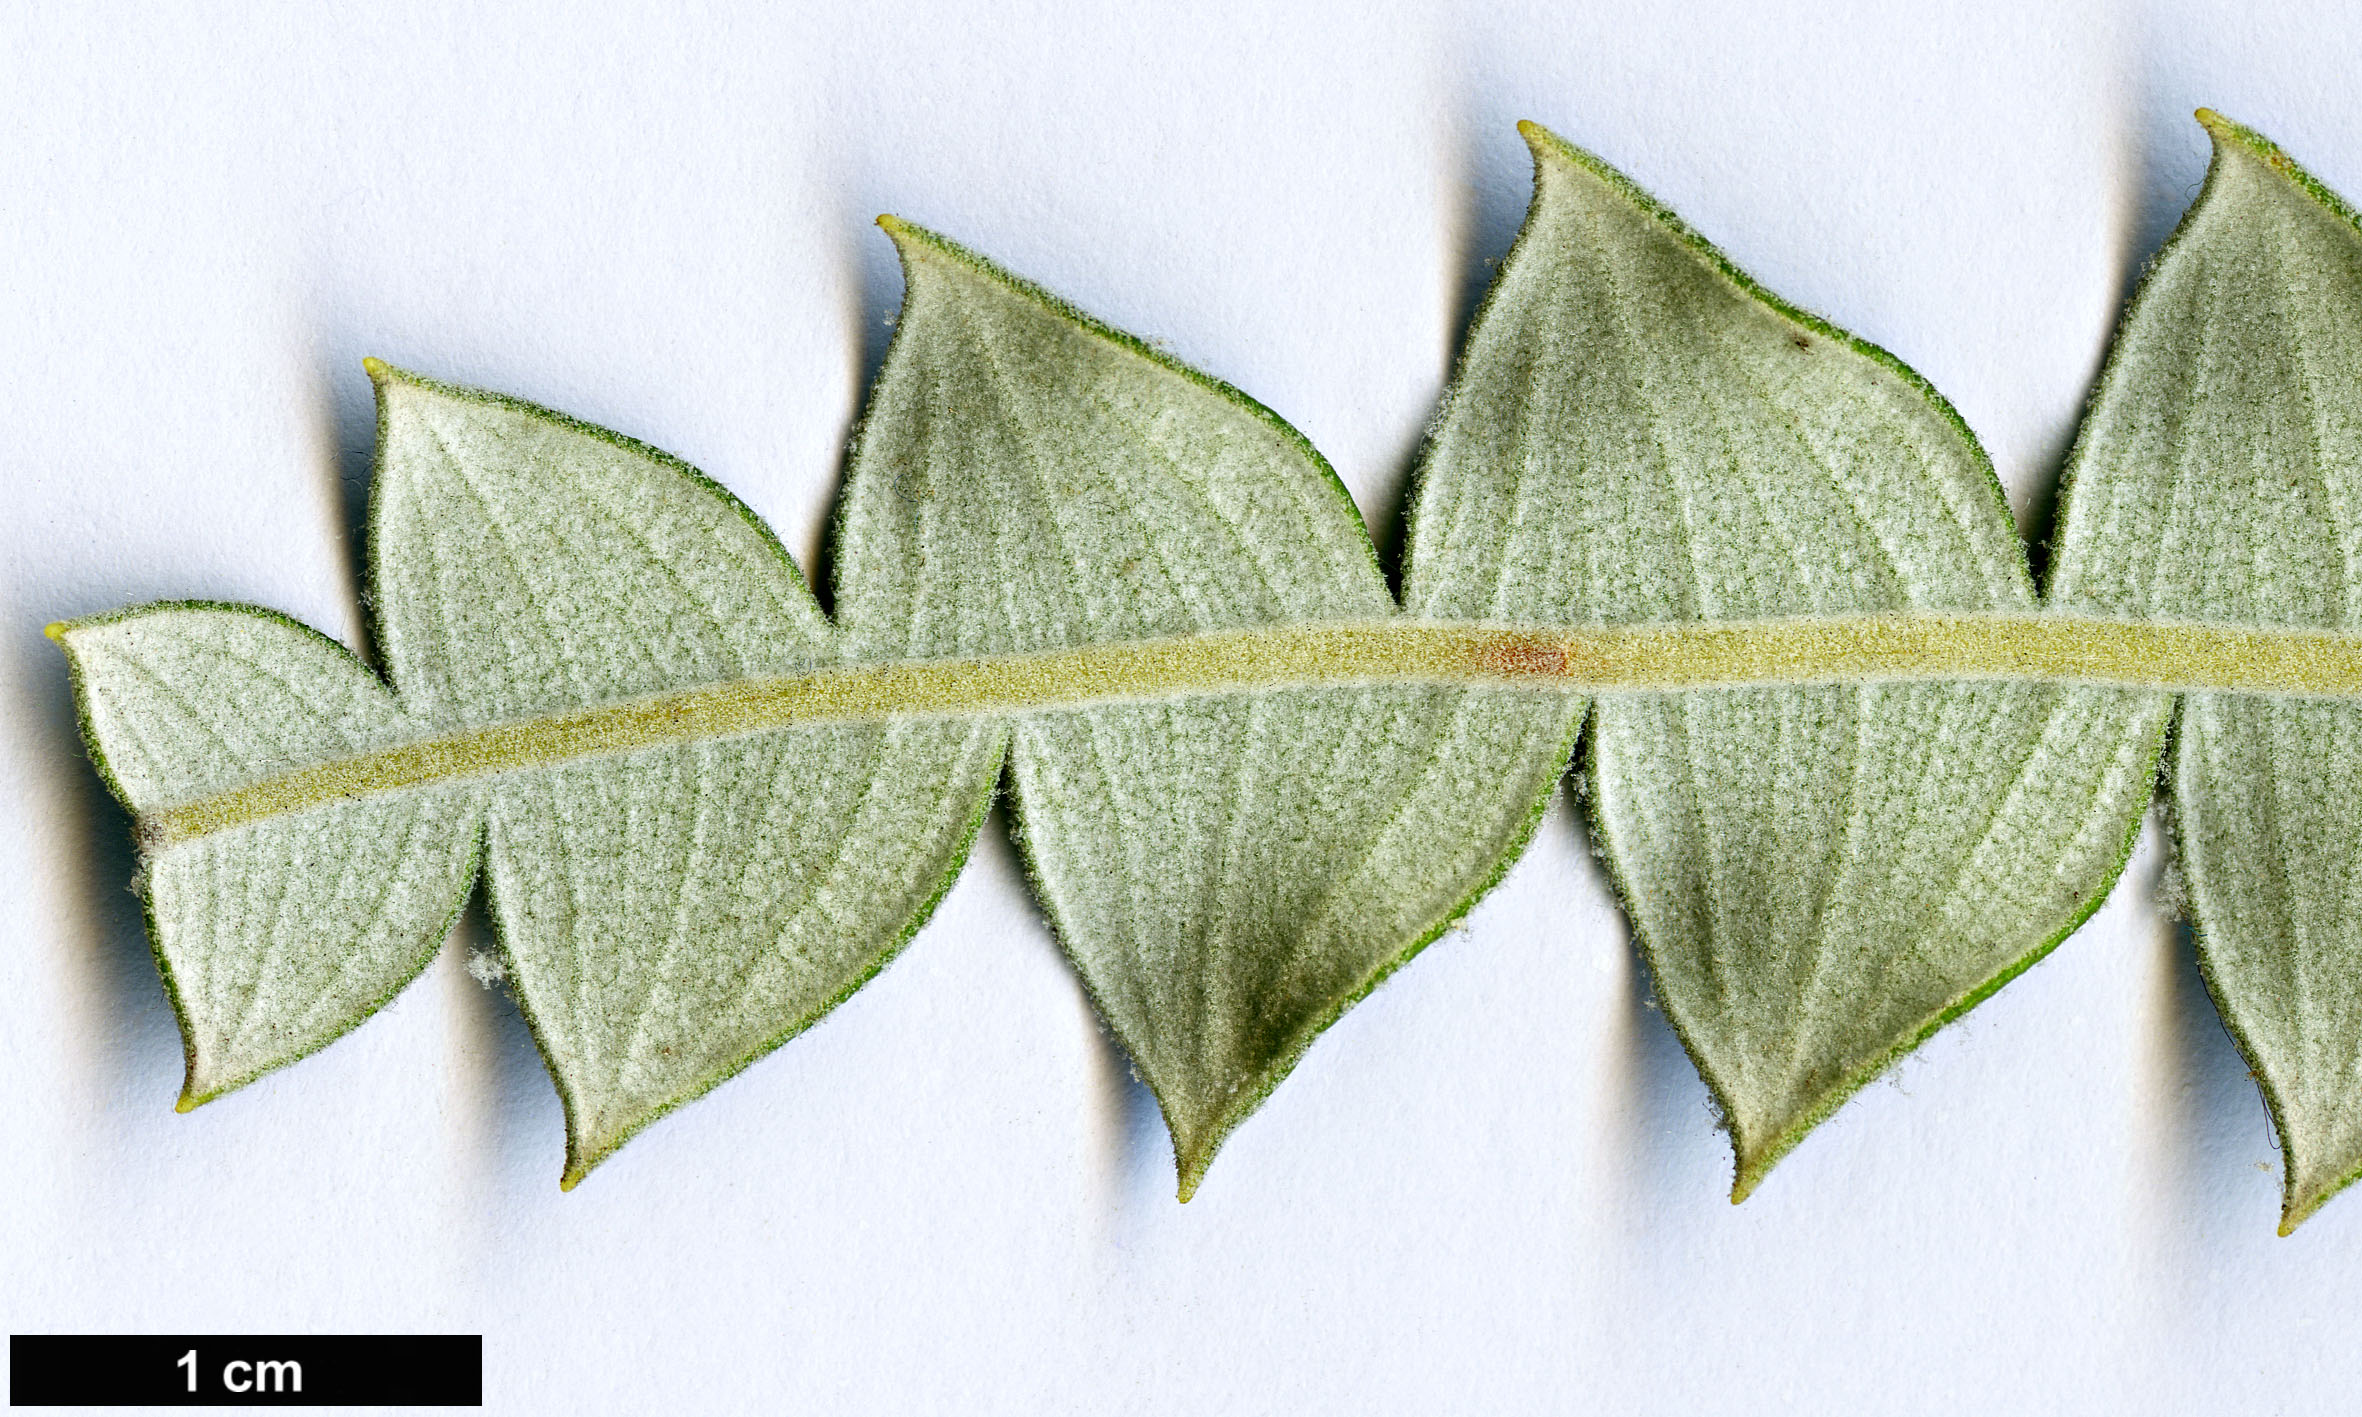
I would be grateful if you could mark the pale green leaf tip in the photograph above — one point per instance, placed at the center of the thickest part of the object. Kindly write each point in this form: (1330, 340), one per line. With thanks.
(905, 234)
(1192, 1166)
(382, 374)
(2296, 1210)
(1751, 1170)
(2227, 134)
(909, 237)
(56, 630)
(1193, 1155)
(194, 1094)
(2236, 136)
(2226, 130)
(581, 1160)
(1752, 1162)
(1544, 142)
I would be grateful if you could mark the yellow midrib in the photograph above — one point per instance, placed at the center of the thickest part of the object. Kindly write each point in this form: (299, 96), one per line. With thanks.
(2044, 648)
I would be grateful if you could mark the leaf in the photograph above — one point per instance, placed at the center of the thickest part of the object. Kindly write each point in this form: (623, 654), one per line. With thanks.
(2216, 480)
(277, 938)
(670, 913)
(1819, 876)
(1849, 776)
(1228, 871)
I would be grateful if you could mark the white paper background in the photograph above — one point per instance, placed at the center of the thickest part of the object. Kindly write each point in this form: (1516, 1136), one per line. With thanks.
(1496, 1185)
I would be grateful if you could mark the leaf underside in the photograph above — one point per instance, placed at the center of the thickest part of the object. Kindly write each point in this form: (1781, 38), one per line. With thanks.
(275, 939)
(2216, 480)
(1227, 872)
(1819, 875)
(668, 915)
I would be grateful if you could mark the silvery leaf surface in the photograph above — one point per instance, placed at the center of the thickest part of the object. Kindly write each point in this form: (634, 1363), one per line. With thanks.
(1819, 876)
(673, 913)
(2216, 480)
(1228, 871)
(276, 937)
(669, 914)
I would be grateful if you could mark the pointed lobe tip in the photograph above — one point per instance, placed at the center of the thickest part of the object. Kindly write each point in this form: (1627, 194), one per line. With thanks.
(2219, 128)
(907, 236)
(55, 630)
(377, 368)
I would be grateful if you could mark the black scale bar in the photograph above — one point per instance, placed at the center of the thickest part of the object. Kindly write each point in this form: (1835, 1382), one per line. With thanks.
(245, 1370)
